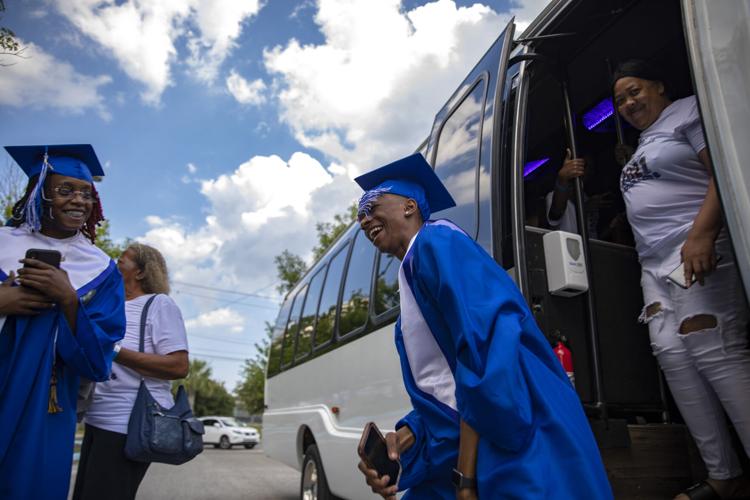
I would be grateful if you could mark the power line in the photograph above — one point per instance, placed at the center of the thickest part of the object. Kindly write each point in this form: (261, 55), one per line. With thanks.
(264, 287)
(221, 351)
(250, 344)
(216, 356)
(225, 301)
(224, 290)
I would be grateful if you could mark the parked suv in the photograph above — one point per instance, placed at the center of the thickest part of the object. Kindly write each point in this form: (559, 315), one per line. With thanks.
(225, 432)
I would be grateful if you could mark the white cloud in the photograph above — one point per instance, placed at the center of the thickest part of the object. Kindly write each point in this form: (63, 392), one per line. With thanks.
(266, 205)
(246, 92)
(217, 319)
(367, 97)
(525, 12)
(39, 81)
(192, 168)
(220, 23)
(141, 34)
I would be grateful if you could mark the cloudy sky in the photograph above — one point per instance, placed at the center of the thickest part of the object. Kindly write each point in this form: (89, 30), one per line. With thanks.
(228, 128)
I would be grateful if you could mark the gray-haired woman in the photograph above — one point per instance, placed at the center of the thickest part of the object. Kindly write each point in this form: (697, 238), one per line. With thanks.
(104, 471)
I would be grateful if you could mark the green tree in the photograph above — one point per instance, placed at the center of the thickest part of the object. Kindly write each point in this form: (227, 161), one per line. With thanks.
(289, 269)
(329, 231)
(9, 45)
(104, 241)
(250, 390)
(208, 397)
(11, 189)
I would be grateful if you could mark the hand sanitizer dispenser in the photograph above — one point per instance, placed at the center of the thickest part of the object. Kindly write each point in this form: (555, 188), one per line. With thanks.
(566, 267)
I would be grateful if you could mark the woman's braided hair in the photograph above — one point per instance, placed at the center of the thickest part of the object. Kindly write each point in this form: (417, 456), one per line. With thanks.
(18, 213)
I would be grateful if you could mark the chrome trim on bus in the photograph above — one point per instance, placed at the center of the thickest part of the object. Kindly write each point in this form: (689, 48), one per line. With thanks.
(516, 178)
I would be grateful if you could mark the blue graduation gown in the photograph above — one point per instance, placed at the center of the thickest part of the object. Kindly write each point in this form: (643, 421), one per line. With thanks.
(470, 349)
(36, 447)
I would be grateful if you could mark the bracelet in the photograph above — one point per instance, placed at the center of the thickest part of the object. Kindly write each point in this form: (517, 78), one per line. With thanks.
(562, 187)
(116, 349)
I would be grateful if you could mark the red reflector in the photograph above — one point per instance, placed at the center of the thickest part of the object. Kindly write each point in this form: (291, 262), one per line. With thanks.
(335, 410)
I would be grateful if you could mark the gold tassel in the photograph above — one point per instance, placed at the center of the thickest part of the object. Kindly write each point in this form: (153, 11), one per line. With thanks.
(53, 406)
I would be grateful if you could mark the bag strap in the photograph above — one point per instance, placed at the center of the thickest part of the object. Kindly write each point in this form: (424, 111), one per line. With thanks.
(144, 316)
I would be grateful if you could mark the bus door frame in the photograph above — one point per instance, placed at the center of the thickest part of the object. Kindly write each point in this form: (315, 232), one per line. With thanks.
(518, 145)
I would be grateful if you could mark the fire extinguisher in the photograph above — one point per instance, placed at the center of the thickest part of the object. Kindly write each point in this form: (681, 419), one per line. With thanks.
(566, 359)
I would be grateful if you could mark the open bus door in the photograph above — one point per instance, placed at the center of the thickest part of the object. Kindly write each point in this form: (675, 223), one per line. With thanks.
(615, 372)
(717, 36)
(477, 146)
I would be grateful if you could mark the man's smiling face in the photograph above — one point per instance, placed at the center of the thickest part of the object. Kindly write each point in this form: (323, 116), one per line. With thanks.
(389, 223)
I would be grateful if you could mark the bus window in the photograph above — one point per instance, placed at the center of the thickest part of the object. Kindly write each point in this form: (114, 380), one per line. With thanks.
(277, 338)
(386, 284)
(307, 323)
(330, 298)
(457, 158)
(292, 327)
(356, 299)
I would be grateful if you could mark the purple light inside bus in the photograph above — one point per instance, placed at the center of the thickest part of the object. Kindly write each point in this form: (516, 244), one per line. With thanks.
(598, 113)
(533, 165)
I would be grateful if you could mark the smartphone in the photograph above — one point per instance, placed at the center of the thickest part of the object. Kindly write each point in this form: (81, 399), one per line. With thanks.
(51, 257)
(677, 276)
(374, 452)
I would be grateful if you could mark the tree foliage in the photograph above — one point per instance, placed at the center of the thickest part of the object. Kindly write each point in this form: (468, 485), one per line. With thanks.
(9, 45)
(250, 390)
(289, 268)
(328, 232)
(104, 242)
(208, 396)
(11, 189)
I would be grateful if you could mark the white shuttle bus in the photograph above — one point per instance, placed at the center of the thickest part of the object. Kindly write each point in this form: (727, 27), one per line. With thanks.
(496, 144)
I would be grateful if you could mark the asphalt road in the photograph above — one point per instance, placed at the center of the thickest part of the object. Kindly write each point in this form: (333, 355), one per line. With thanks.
(222, 474)
(236, 474)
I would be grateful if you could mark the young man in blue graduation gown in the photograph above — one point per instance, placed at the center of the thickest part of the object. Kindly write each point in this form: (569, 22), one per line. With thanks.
(56, 325)
(494, 416)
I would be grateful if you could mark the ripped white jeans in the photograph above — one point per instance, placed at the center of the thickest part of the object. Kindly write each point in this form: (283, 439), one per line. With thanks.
(708, 369)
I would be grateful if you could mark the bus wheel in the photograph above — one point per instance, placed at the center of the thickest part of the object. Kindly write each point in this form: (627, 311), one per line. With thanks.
(313, 485)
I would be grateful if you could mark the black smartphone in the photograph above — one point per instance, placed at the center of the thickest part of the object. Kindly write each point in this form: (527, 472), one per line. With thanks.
(374, 452)
(51, 257)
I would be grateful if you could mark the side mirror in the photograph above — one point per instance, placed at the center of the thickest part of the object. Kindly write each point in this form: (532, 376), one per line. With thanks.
(217, 424)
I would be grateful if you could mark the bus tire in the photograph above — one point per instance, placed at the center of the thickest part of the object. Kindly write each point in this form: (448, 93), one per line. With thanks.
(313, 484)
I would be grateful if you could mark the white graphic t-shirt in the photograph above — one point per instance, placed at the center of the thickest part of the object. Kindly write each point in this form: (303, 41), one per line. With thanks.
(165, 333)
(664, 184)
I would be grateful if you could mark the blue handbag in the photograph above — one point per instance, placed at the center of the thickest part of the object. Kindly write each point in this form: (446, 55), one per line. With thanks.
(157, 434)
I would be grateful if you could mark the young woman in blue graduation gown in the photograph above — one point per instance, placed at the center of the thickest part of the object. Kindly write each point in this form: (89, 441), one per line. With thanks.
(56, 325)
(494, 416)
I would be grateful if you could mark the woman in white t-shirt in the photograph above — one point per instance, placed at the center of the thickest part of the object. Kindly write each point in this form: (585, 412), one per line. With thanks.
(103, 470)
(698, 331)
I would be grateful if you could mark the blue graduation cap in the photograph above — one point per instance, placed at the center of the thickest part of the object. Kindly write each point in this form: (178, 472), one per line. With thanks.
(411, 177)
(72, 160)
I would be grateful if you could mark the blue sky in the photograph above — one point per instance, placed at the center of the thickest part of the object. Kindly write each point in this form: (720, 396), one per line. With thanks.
(228, 128)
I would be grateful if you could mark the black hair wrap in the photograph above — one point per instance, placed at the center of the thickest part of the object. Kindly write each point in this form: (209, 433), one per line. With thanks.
(637, 68)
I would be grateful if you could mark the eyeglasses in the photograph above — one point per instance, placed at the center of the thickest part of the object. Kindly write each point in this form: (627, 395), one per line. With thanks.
(68, 193)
